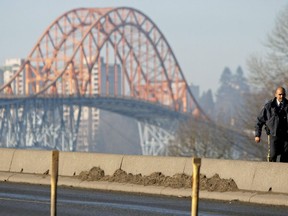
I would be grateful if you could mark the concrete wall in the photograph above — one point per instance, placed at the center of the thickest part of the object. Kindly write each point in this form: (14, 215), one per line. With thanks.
(248, 175)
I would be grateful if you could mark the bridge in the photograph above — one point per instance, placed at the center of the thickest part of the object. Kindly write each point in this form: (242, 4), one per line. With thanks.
(92, 59)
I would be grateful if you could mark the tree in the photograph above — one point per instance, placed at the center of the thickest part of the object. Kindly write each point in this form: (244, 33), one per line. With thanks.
(224, 97)
(230, 98)
(240, 81)
(206, 139)
(241, 91)
(270, 71)
(207, 103)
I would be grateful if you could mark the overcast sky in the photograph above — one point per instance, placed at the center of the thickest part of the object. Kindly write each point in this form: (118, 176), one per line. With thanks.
(205, 35)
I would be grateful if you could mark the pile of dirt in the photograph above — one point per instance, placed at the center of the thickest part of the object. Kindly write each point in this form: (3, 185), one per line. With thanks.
(215, 183)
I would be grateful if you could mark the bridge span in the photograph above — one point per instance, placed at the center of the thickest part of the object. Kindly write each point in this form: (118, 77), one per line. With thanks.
(53, 122)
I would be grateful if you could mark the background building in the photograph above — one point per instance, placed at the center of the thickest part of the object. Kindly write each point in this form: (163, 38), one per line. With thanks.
(11, 66)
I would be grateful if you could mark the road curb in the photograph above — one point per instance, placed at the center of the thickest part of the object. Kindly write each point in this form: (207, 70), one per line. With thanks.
(268, 198)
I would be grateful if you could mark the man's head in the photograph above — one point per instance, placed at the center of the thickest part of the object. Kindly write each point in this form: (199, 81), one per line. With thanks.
(280, 93)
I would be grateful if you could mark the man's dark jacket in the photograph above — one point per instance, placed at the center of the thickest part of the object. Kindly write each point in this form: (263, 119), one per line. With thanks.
(270, 117)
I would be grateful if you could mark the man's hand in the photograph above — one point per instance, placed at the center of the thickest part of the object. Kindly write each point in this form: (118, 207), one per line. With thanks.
(257, 139)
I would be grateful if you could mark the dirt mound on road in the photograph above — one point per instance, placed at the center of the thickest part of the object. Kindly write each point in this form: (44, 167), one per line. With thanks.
(215, 183)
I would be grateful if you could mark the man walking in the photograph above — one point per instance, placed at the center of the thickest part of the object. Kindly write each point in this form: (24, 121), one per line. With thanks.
(274, 115)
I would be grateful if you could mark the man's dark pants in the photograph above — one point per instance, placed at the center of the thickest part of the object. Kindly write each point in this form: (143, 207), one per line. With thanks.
(279, 146)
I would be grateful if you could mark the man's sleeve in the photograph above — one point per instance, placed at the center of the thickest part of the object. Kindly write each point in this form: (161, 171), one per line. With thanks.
(261, 120)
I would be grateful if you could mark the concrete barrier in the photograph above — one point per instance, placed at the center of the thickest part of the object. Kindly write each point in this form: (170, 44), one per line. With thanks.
(6, 156)
(248, 175)
(30, 161)
(72, 163)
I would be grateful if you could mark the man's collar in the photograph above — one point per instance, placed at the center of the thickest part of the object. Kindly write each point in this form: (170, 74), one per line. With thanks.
(282, 102)
(278, 102)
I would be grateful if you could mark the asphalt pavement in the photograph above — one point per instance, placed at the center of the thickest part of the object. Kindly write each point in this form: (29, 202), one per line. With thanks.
(34, 200)
(267, 198)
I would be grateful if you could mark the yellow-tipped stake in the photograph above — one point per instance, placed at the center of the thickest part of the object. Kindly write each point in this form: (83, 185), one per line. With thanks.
(268, 136)
(196, 163)
(54, 178)
(268, 155)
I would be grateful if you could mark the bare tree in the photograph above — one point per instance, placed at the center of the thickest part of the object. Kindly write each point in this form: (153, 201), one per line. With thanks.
(270, 71)
(206, 139)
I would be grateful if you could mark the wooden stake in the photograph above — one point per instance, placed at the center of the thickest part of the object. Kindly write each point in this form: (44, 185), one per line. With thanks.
(196, 163)
(54, 179)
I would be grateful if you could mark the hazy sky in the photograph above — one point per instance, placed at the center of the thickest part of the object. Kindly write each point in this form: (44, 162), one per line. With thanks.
(205, 35)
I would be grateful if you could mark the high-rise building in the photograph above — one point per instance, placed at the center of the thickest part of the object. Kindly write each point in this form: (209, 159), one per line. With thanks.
(11, 67)
(1, 76)
(110, 79)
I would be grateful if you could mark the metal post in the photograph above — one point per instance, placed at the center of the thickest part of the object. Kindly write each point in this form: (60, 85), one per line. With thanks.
(196, 163)
(54, 178)
(268, 155)
(268, 136)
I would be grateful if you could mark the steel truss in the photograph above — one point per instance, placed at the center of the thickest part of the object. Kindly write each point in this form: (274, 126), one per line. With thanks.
(39, 124)
(154, 139)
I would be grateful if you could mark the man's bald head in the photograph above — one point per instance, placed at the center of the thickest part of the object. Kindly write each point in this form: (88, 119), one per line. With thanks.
(280, 93)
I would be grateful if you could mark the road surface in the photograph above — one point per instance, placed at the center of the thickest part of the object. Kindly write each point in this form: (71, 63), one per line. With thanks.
(34, 200)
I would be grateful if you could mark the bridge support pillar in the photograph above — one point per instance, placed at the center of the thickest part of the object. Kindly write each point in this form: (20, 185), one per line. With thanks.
(154, 139)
